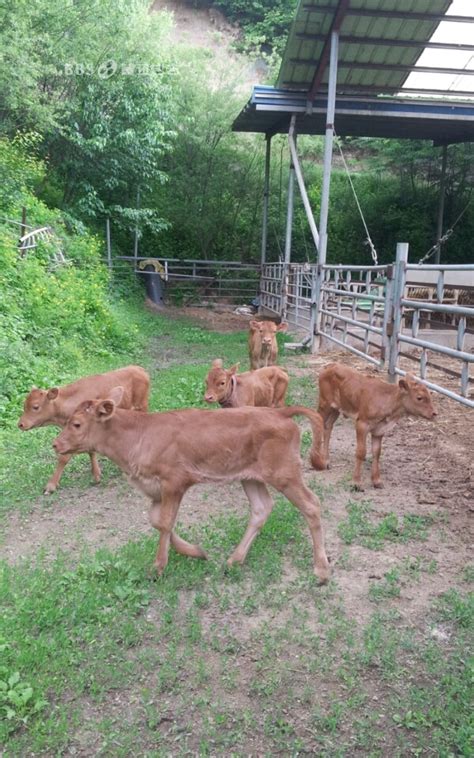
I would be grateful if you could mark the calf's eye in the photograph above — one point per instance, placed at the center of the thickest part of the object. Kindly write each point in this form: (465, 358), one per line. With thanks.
(76, 425)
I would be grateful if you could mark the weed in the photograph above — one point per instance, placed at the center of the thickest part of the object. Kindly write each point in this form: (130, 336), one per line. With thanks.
(388, 588)
(359, 528)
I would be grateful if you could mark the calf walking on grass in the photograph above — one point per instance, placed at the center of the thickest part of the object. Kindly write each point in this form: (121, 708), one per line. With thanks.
(164, 454)
(262, 387)
(375, 406)
(54, 406)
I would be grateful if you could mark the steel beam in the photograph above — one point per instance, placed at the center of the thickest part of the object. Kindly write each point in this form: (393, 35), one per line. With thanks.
(388, 42)
(364, 66)
(339, 14)
(349, 89)
(404, 15)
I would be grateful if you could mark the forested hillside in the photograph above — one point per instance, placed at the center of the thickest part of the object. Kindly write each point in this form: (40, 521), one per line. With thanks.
(102, 117)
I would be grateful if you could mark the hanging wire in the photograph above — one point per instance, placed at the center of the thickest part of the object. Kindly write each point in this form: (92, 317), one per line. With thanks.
(368, 240)
(445, 236)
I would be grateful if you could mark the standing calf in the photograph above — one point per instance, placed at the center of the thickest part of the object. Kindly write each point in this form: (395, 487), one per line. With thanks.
(164, 454)
(375, 406)
(263, 387)
(263, 347)
(54, 406)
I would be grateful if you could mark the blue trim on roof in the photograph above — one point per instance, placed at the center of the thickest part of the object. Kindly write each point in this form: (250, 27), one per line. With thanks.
(291, 99)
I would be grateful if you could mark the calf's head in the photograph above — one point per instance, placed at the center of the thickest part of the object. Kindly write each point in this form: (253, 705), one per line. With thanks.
(39, 408)
(219, 382)
(416, 398)
(85, 426)
(266, 332)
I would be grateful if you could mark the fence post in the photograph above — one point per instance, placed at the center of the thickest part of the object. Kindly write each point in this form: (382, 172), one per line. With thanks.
(109, 249)
(395, 322)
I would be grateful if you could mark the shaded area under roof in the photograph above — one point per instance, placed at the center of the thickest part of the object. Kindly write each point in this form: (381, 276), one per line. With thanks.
(380, 42)
(269, 111)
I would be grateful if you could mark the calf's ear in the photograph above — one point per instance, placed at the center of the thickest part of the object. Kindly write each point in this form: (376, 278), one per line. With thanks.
(403, 384)
(217, 363)
(233, 369)
(282, 327)
(254, 325)
(105, 410)
(52, 393)
(116, 395)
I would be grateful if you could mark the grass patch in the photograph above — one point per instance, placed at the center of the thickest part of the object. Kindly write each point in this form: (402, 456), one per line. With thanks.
(360, 528)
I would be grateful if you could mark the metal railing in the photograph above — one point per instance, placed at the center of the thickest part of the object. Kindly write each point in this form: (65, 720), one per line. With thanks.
(353, 309)
(199, 280)
(459, 316)
(366, 310)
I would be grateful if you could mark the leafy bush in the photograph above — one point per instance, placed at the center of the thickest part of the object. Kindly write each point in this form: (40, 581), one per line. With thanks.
(51, 315)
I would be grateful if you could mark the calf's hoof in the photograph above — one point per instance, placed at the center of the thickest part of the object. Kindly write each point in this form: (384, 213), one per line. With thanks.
(378, 485)
(358, 487)
(49, 489)
(158, 568)
(322, 575)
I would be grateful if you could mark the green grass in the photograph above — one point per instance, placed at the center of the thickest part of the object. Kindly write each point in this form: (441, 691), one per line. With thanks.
(178, 355)
(99, 658)
(362, 526)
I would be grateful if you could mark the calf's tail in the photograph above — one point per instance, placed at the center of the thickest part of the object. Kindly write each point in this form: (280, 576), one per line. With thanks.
(317, 428)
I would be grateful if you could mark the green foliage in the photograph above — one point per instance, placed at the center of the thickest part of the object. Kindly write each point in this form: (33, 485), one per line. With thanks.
(18, 701)
(212, 197)
(51, 315)
(93, 79)
(265, 23)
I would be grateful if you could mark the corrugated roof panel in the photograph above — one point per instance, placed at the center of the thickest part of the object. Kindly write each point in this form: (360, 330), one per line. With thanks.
(316, 18)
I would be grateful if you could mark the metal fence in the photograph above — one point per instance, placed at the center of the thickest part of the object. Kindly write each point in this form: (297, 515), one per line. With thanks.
(197, 281)
(367, 311)
(353, 309)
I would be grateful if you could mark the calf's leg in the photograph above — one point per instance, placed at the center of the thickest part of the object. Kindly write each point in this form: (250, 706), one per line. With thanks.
(52, 484)
(309, 505)
(261, 505)
(376, 450)
(163, 514)
(330, 416)
(361, 453)
(95, 467)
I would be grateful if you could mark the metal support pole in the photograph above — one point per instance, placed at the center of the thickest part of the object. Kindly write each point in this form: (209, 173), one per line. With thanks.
(135, 244)
(301, 184)
(266, 196)
(109, 248)
(288, 235)
(328, 142)
(395, 325)
(442, 195)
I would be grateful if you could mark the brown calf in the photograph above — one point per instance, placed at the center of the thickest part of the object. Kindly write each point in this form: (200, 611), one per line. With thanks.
(54, 406)
(375, 406)
(164, 454)
(263, 347)
(263, 387)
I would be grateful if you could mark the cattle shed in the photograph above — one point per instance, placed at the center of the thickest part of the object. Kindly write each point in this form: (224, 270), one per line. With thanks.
(345, 68)
(348, 70)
